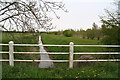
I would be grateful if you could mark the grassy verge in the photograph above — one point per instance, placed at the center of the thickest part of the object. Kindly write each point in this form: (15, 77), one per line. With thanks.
(31, 70)
(26, 70)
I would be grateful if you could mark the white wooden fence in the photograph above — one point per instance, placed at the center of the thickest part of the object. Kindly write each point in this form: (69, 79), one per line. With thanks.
(71, 53)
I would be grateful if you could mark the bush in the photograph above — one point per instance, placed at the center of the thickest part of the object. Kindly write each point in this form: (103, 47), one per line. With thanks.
(68, 33)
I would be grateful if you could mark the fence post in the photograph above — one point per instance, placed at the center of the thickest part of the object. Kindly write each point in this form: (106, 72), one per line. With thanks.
(39, 39)
(71, 55)
(11, 56)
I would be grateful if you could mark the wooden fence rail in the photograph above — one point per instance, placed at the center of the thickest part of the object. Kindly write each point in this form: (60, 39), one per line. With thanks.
(71, 53)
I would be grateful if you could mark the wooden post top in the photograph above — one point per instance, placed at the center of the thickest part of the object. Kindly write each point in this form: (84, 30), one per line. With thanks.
(71, 43)
(11, 42)
(39, 38)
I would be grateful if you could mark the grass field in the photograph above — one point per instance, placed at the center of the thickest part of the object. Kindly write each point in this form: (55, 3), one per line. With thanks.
(61, 70)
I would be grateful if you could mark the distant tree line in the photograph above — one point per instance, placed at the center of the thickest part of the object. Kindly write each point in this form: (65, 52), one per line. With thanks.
(94, 33)
(108, 33)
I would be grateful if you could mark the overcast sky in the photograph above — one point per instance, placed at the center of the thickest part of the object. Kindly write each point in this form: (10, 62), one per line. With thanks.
(82, 13)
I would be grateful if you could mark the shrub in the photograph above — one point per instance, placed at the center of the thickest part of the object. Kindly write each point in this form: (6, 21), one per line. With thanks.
(68, 33)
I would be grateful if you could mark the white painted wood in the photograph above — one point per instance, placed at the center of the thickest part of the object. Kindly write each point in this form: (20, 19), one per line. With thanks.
(30, 53)
(4, 60)
(42, 60)
(40, 38)
(66, 45)
(63, 53)
(26, 45)
(11, 56)
(40, 53)
(97, 45)
(38, 45)
(3, 52)
(58, 45)
(51, 60)
(98, 53)
(71, 55)
(4, 44)
(102, 60)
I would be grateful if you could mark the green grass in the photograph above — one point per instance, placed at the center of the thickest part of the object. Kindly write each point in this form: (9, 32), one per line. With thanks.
(61, 40)
(61, 70)
(104, 70)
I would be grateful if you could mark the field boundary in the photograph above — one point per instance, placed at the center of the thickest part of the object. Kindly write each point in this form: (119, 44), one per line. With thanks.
(71, 53)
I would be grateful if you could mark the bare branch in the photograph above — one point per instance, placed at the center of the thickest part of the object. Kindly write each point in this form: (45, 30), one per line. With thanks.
(25, 15)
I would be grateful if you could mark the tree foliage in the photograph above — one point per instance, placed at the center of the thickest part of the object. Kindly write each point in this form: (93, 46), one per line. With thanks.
(68, 33)
(111, 27)
(83, 33)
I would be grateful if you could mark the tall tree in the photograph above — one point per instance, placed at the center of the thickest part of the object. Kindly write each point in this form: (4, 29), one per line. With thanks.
(83, 33)
(111, 27)
(90, 34)
(25, 15)
(96, 31)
